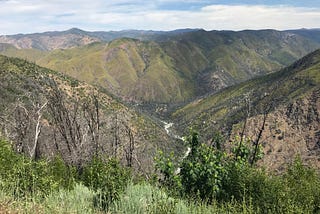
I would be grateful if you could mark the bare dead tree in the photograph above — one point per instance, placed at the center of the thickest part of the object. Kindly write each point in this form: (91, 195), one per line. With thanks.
(247, 115)
(21, 126)
(131, 146)
(59, 115)
(20, 122)
(116, 135)
(65, 119)
(247, 110)
(32, 152)
(256, 143)
(91, 113)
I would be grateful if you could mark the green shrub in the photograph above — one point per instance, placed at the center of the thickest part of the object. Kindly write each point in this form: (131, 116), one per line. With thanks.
(243, 151)
(202, 172)
(63, 174)
(24, 177)
(77, 200)
(107, 178)
(303, 186)
(297, 191)
(166, 164)
(144, 198)
(8, 159)
(264, 191)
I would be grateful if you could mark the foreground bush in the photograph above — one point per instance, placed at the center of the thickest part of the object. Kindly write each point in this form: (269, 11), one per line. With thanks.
(107, 178)
(202, 170)
(209, 175)
(23, 177)
(145, 198)
(77, 200)
(220, 183)
(302, 187)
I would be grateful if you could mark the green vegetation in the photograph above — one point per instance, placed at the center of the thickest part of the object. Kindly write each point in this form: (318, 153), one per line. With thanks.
(128, 68)
(206, 173)
(24, 178)
(107, 179)
(97, 184)
(214, 176)
(210, 181)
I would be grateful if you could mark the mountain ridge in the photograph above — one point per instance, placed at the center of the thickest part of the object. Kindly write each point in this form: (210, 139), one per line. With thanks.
(76, 37)
(182, 67)
(172, 67)
(108, 36)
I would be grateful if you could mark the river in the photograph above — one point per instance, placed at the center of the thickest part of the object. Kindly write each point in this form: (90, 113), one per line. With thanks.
(167, 127)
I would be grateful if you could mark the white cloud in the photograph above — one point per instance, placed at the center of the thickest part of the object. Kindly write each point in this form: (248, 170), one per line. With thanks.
(221, 17)
(37, 15)
(258, 16)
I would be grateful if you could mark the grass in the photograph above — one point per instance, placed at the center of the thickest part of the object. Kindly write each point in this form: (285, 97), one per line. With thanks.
(137, 199)
(145, 198)
(78, 200)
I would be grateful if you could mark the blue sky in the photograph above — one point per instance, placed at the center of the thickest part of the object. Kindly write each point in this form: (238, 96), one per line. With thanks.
(192, 5)
(27, 16)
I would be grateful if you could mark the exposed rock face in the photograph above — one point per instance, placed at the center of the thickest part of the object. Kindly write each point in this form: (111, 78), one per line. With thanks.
(290, 130)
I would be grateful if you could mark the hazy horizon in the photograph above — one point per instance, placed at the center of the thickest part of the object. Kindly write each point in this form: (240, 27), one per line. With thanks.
(123, 30)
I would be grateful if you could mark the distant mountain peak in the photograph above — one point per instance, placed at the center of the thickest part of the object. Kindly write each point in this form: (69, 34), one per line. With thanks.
(75, 31)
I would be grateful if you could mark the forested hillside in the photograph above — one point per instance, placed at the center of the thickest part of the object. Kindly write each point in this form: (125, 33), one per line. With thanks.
(283, 105)
(45, 114)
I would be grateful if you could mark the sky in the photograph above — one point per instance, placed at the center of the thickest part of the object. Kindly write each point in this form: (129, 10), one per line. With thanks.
(29, 16)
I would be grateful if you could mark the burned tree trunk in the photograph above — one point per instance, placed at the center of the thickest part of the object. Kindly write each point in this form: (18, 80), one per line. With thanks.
(130, 148)
(65, 119)
(21, 126)
(34, 152)
(116, 136)
(91, 113)
(256, 143)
